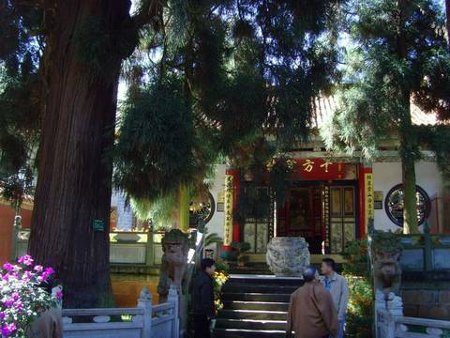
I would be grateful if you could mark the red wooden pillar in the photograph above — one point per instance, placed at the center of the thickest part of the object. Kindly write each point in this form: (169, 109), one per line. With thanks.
(236, 196)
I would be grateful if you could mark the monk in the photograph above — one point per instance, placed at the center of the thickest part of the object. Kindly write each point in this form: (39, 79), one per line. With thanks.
(312, 313)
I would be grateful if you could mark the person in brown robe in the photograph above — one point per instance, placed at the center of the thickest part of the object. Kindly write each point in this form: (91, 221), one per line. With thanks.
(312, 313)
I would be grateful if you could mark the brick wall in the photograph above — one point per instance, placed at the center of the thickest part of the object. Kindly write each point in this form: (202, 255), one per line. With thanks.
(428, 301)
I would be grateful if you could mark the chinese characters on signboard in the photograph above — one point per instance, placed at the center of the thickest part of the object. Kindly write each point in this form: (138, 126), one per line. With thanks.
(323, 169)
(228, 210)
(309, 165)
(368, 181)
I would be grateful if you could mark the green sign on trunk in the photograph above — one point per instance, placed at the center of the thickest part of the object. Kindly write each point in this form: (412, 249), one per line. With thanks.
(98, 225)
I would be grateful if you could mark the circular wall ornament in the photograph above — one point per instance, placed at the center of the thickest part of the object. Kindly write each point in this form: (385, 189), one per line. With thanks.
(393, 204)
(202, 209)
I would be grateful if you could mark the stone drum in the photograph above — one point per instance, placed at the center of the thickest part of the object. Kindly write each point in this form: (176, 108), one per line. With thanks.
(287, 256)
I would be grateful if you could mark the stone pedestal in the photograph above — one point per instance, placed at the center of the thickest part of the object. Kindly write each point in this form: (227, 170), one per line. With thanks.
(389, 302)
(287, 256)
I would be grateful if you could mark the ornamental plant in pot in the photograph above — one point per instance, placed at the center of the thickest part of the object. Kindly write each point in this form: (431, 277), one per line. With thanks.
(23, 296)
(242, 248)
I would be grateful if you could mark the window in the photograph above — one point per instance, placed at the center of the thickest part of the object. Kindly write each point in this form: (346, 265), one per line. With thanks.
(257, 211)
(394, 205)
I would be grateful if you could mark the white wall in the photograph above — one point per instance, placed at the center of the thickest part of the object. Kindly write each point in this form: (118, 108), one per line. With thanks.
(216, 222)
(388, 174)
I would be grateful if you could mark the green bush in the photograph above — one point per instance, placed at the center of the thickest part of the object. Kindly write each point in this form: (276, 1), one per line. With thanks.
(357, 272)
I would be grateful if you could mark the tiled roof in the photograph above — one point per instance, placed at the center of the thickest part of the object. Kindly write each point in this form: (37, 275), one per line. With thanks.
(327, 106)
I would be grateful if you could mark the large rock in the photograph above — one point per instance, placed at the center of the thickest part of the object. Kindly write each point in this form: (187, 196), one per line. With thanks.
(287, 256)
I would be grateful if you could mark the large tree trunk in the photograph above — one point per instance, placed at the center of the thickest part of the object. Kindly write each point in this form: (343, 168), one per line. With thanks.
(408, 155)
(410, 223)
(408, 140)
(75, 169)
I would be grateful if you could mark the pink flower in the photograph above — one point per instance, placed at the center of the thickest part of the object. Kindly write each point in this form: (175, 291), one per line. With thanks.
(59, 294)
(27, 276)
(47, 273)
(9, 302)
(26, 260)
(8, 329)
(15, 295)
(2, 315)
(18, 305)
(8, 266)
(38, 268)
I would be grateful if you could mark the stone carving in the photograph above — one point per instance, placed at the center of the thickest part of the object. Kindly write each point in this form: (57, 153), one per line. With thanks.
(287, 256)
(175, 246)
(386, 253)
(390, 302)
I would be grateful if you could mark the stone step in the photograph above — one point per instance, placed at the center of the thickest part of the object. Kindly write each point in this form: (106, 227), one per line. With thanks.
(265, 280)
(250, 324)
(254, 305)
(254, 296)
(244, 333)
(259, 288)
(253, 314)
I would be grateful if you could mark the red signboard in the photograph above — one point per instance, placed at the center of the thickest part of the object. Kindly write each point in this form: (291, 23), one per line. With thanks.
(322, 169)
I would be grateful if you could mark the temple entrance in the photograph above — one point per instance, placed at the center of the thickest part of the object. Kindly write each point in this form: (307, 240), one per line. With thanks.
(325, 215)
(301, 216)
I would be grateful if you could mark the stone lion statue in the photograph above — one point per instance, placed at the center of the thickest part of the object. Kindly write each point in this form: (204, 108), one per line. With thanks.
(175, 246)
(386, 253)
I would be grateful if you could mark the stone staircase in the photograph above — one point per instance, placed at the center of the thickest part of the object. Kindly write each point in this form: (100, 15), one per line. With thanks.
(255, 306)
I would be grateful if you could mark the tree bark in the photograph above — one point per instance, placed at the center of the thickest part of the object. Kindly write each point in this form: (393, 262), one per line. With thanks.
(410, 222)
(408, 153)
(75, 169)
(408, 141)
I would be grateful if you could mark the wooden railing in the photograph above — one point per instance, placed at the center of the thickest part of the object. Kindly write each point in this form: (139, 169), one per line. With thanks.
(391, 326)
(144, 321)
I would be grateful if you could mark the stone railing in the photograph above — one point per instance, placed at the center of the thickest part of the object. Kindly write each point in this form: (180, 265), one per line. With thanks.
(392, 326)
(144, 321)
(127, 249)
(425, 252)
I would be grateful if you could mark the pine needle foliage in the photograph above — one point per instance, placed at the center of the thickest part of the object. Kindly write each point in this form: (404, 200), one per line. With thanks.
(397, 52)
(154, 150)
(20, 93)
(399, 55)
(250, 71)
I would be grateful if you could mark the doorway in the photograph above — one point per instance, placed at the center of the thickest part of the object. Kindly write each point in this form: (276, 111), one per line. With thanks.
(301, 216)
(320, 213)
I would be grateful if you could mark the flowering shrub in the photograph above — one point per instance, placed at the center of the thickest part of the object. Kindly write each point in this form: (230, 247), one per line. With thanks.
(22, 298)
(360, 307)
(219, 278)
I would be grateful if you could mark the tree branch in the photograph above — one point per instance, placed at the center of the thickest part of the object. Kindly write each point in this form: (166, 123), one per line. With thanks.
(149, 11)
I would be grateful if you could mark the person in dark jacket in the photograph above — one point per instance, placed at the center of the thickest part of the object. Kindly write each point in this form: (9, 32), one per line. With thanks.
(203, 299)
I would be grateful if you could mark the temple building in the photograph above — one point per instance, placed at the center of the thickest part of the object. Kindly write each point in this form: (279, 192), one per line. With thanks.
(329, 198)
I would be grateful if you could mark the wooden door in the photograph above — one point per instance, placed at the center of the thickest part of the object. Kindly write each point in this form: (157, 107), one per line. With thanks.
(342, 217)
(301, 216)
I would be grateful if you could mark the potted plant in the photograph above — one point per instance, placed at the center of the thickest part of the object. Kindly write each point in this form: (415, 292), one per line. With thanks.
(242, 248)
(23, 297)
